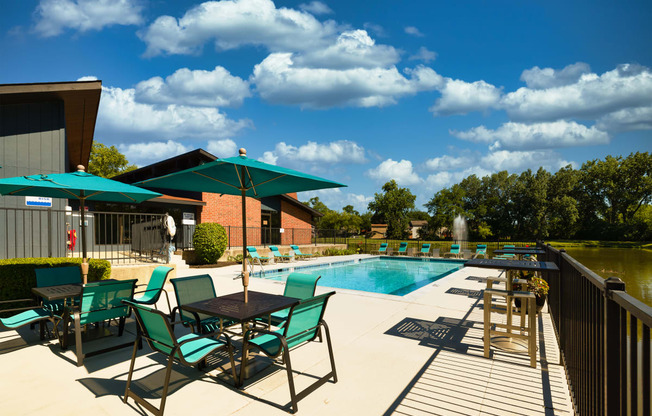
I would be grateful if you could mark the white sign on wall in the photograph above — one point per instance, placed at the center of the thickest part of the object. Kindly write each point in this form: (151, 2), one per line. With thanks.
(38, 201)
(188, 218)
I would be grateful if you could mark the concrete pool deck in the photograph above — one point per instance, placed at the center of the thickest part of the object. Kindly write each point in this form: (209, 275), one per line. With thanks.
(420, 354)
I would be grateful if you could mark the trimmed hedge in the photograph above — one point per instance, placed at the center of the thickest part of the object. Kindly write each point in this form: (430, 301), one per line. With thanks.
(209, 241)
(17, 277)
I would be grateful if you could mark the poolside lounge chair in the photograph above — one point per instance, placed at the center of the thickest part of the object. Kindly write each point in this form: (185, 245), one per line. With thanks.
(304, 323)
(402, 249)
(382, 249)
(277, 254)
(255, 257)
(29, 315)
(297, 285)
(190, 350)
(299, 254)
(480, 250)
(425, 250)
(194, 289)
(152, 292)
(455, 251)
(100, 301)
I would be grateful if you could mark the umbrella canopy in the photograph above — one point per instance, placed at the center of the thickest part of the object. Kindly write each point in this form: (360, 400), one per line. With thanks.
(241, 176)
(75, 185)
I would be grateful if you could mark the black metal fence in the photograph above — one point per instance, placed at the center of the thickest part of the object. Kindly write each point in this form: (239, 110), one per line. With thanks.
(604, 338)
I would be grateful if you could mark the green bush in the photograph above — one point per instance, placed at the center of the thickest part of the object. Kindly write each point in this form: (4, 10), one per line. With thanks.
(209, 241)
(237, 258)
(17, 277)
(338, 252)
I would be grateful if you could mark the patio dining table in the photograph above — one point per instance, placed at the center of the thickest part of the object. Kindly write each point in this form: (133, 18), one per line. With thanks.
(233, 307)
(521, 251)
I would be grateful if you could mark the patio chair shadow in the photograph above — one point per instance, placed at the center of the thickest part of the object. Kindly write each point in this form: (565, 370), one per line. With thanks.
(445, 333)
(20, 338)
(469, 293)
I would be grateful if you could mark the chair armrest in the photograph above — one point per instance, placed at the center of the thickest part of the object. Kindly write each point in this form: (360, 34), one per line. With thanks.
(209, 335)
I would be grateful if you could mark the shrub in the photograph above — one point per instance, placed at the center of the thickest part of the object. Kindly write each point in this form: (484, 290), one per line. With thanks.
(209, 241)
(338, 252)
(17, 277)
(237, 258)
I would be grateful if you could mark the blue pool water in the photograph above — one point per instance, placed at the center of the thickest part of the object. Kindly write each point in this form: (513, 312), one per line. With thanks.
(386, 275)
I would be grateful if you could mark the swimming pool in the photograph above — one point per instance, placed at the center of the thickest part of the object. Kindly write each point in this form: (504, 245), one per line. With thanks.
(387, 275)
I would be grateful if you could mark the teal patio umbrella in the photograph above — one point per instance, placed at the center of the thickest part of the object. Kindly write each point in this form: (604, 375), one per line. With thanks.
(241, 176)
(76, 185)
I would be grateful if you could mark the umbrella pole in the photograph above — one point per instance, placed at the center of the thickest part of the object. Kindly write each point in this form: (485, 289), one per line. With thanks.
(84, 265)
(245, 271)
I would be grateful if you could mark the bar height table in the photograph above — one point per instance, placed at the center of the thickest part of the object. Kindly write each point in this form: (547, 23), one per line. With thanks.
(507, 343)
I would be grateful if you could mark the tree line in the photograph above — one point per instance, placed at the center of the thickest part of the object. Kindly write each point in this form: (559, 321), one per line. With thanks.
(605, 199)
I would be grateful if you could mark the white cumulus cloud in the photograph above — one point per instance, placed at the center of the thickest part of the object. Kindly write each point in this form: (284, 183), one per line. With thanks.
(234, 23)
(120, 114)
(198, 88)
(54, 16)
(411, 30)
(222, 148)
(592, 96)
(401, 171)
(627, 119)
(518, 161)
(448, 162)
(461, 97)
(535, 136)
(424, 55)
(352, 49)
(337, 152)
(148, 152)
(280, 82)
(316, 7)
(537, 78)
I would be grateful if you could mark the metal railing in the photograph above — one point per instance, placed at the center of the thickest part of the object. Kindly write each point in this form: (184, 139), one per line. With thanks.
(604, 338)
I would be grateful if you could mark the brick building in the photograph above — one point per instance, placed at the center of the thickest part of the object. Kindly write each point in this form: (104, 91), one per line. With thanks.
(278, 219)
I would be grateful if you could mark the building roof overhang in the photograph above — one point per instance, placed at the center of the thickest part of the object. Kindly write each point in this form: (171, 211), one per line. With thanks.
(81, 102)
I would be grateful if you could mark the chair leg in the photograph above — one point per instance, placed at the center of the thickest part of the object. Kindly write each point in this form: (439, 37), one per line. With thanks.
(330, 349)
(131, 366)
(236, 381)
(121, 326)
(243, 363)
(288, 367)
(166, 384)
(78, 340)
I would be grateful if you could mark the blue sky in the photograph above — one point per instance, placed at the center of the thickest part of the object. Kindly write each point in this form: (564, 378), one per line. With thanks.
(361, 92)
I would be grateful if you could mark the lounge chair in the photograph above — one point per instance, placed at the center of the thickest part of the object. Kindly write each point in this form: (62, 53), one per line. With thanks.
(275, 253)
(382, 249)
(299, 254)
(29, 315)
(152, 293)
(455, 251)
(190, 349)
(194, 289)
(480, 250)
(255, 257)
(100, 301)
(304, 323)
(297, 285)
(402, 249)
(425, 250)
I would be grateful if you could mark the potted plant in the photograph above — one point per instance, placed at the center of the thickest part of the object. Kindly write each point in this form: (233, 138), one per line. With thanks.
(536, 285)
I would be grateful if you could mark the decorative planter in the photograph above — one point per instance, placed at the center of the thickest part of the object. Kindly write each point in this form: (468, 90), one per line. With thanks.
(540, 302)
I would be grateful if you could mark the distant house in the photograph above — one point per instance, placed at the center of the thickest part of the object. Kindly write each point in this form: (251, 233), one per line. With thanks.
(415, 226)
(378, 231)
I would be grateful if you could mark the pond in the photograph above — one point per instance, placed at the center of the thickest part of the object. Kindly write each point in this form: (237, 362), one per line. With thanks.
(633, 266)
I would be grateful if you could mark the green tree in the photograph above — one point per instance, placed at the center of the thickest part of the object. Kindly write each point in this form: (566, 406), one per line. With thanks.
(392, 207)
(108, 162)
(444, 206)
(529, 199)
(563, 208)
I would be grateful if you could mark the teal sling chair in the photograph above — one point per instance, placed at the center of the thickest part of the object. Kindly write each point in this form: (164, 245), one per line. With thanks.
(303, 325)
(190, 350)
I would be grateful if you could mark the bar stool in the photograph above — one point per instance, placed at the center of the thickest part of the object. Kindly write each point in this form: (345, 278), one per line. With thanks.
(506, 339)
